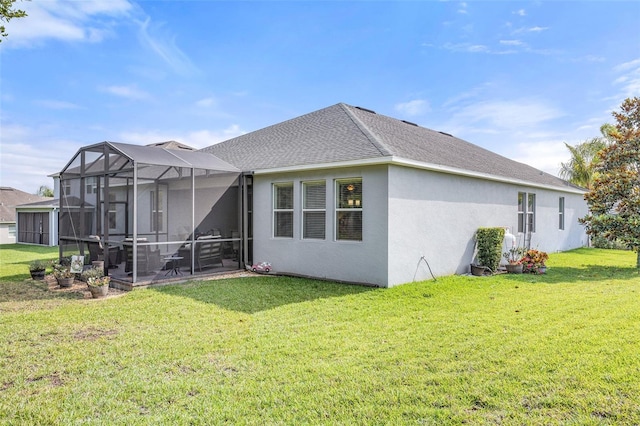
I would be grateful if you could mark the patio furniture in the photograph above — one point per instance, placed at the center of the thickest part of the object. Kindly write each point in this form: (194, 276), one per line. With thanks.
(148, 259)
(97, 250)
(208, 252)
(173, 265)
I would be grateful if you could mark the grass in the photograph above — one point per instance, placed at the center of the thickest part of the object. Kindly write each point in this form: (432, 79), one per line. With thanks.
(560, 348)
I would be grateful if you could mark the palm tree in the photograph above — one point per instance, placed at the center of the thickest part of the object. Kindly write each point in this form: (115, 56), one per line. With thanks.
(580, 169)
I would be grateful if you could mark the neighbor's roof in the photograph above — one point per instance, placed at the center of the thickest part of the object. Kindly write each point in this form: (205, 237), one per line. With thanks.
(49, 203)
(175, 145)
(11, 197)
(343, 133)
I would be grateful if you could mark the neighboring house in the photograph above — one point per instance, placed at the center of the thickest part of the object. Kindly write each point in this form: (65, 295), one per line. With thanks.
(11, 201)
(37, 223)
(346, 194)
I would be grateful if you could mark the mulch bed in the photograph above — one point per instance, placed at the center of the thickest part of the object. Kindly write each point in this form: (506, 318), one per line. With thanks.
(78, 287)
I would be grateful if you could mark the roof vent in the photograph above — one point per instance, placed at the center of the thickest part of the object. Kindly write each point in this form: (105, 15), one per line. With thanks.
(364, 109)
(446, 134)
(410, 123)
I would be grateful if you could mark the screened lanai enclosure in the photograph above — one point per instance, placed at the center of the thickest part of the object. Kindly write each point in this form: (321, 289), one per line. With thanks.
(153, 214)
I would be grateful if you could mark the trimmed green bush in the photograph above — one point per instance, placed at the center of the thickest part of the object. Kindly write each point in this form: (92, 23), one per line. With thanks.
(490, 246)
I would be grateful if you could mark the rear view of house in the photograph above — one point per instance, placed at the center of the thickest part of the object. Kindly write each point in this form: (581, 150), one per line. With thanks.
(341, 193)
(346, 194)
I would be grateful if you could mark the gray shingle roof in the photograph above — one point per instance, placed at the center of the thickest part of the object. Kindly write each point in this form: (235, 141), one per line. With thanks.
(11, 197)
(345, 133)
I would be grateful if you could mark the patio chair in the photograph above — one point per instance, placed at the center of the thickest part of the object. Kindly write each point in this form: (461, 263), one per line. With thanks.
(148, 259)
(97, 250)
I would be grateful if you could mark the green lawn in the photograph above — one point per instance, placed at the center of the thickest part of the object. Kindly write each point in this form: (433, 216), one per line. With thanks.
(561, 348)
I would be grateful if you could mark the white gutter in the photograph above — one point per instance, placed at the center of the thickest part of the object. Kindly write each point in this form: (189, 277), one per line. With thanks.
(402, 162)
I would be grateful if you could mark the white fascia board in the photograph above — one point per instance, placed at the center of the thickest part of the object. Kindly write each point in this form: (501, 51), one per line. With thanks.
(403, 162)
(461, 172)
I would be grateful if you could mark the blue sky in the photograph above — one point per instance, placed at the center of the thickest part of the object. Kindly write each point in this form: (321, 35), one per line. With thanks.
(518, 78)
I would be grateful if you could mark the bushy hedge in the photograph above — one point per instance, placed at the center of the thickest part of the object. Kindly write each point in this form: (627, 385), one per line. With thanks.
(490, 246)
(603, 243)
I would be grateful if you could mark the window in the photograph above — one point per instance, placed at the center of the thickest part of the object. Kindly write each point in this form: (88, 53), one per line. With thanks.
(12, 231)
(531, 212)
(521, 211)
(526, 212)
(561, 213)
(314, 210)
(157, 212)
(349, 210)
(66, 187)
(91, 184)
(283, 210)
(112, 211)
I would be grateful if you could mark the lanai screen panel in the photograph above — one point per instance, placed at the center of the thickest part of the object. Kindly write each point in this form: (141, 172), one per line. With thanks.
(149, 204)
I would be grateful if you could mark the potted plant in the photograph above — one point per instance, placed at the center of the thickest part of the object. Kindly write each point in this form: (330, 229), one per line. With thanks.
(489, 246)
(533, 261)
(97, 282)
(514, 257)
(37, 269)
(63, 274)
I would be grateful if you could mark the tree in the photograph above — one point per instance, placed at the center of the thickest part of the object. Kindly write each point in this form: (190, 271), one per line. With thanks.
(614, 199)
(45, 191)
(8, 12)
(580, 169)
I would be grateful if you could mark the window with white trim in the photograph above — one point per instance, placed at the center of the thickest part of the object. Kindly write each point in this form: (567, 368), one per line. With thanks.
(113, 212)
(314, 200)
(91, 184)
(531, 212)
(561, 213)
(12, 231)
(283, 210)
(349, 209)
(66, 187)
(157, 211)
(521, 210)
(526, 212)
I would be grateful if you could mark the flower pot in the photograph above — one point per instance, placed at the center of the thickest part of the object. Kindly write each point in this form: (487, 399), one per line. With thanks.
(542, 270)
(514, 268)
(37, 275)
(479, 270)
(65, 282)
(99, 291)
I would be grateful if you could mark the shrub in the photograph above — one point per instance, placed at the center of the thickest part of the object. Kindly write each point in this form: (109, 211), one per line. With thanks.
(37, 266)
(603, 243)
(489, 242)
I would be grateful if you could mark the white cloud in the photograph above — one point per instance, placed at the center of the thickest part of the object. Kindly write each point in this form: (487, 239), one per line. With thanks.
(544, 155)
(629, 81)
(535, 29)
(21, 164)
(128, 92)
(206, 102)
(196, 139)
(515, 116)
(412, 108)
(64, 20)
(520, 12)
(205, 138)
(54, 104)
(165, 47)
(512, 42)
(462, 8)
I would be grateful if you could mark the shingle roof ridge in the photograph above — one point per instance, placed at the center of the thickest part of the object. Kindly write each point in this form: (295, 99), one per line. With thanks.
(375, 141)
